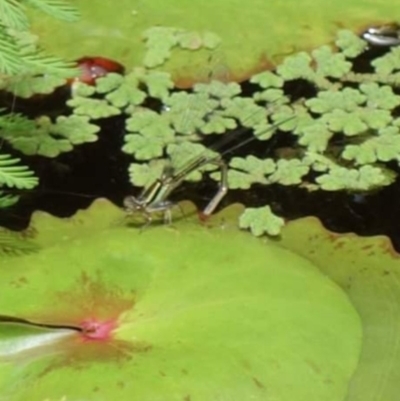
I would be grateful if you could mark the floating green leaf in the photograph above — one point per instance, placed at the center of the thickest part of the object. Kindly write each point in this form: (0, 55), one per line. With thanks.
(245, 172)
(388, 63)
(254, 304)
(218, 89)
(296, 66)
(347, 99)
(365, 178)
(77, 129)
(145, 174)
(350, 44)
(150, 133)
(267, 79)
(330, 64)
(261, 221)
(290, 172)
(93, 108)
(378, 96)
(383, 147)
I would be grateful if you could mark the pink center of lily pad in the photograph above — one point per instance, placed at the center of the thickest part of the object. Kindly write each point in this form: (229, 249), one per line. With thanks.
(97, 330)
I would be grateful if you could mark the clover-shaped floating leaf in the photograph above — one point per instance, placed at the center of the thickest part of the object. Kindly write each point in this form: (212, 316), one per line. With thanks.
(274, 96)
(80, 89)
(218, 89)
(217, 123)
(39, 139)
(350, 44)
(184, 154)
(121, 90)
(245, 110)
(363, 179)
(267, 79)
(290, 172)
(158, 83)
(150, 133)
(293, 118)
(93, 108)
(159, 42)
(389, 63)
(378, 96)
(350, 123)
(26, 86)
(188, 112)
(347, 99)
(330, 64)
(244, 172)
(261, 221)
(314, 136)
(77, 129)
(296, 66)
(144, 174)
(382, 147)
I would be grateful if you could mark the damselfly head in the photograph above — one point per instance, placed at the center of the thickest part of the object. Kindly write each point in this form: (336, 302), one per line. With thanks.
(132, 204)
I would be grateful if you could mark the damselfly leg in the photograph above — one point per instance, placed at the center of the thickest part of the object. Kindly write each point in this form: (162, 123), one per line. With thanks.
(154, 199)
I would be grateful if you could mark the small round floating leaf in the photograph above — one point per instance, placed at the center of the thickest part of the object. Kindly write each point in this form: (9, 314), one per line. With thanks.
(270, 95)
(290, 172)
(158, 83)
(108, 82)
(244, 172)
(218, 89)
(350, 123)
(388, 63)
(150, 134)
(77, 129)
(347, 99)
(296, 66)
(384, 146)
(378, 96)
(315, 136)
(261, 221)
(31, 85)
(365, 178)
(144, 174)
(80, 89)
(159, 42)
(217, 124)
(188, 112)
(267, 79)
(331, 64)
(245, 110)
(93, 108)
(350, 44)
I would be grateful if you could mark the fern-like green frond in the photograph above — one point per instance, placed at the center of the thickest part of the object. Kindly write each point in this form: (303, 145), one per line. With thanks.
(60, 9)
(13, 174)
(12, 15)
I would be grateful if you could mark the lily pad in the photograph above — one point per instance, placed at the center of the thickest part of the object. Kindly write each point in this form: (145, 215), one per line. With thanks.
(183, 312)
(367, 269)
(273, 30)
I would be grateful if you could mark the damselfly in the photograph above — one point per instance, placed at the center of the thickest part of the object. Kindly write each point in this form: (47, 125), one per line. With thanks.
(155, 198)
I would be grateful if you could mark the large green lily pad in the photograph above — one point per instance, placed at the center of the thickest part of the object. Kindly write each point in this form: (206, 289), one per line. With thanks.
(368, 269)
(254, 34)
(182, 312)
